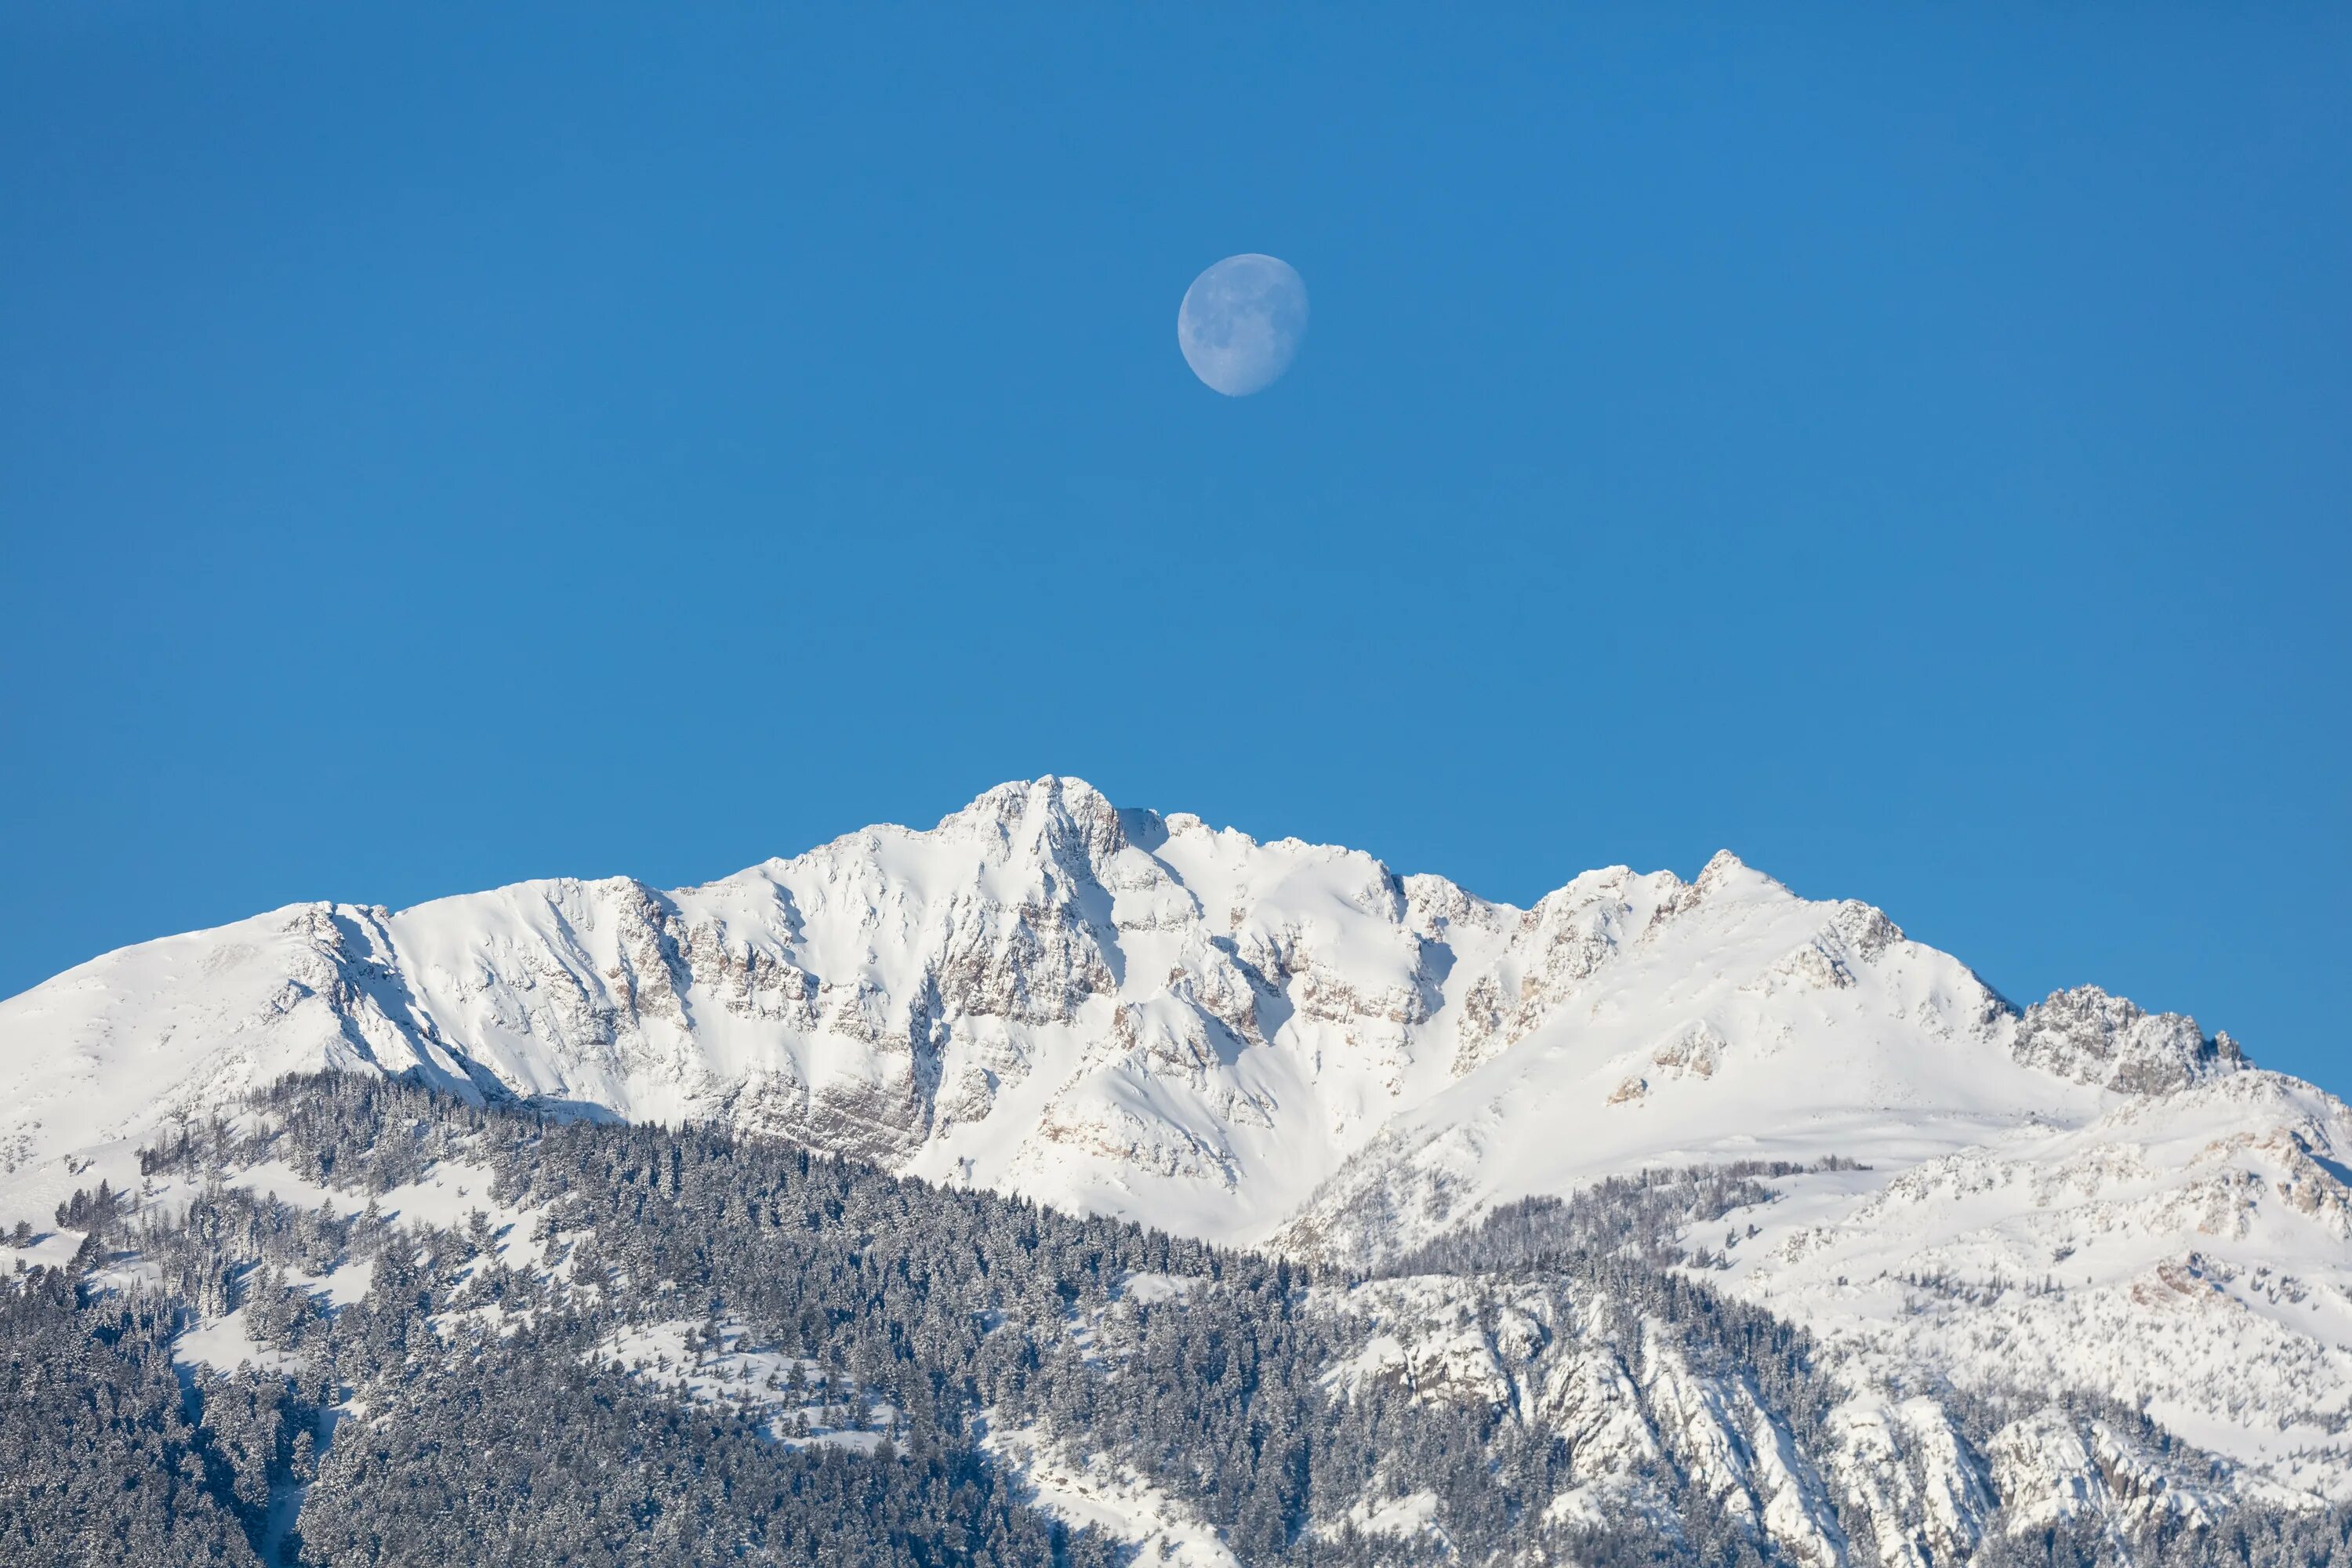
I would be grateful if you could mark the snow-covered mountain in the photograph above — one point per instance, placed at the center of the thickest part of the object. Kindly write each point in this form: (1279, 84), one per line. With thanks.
(1290, 1046)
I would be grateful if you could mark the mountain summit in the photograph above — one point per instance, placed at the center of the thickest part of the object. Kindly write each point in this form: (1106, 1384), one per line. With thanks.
(1290, 1046)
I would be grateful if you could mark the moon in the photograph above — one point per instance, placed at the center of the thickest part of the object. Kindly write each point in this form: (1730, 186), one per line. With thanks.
(1241, 322)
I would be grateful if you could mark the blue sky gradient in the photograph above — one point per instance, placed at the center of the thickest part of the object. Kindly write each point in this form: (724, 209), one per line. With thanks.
(1910, 447)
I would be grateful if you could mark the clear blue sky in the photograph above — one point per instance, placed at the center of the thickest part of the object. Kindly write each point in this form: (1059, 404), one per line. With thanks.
(1911, 446)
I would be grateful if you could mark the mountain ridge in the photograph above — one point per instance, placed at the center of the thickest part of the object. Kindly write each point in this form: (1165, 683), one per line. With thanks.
(1292, 1046)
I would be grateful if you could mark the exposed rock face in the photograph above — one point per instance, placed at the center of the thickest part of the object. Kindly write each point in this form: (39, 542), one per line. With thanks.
(2092, 1038)
(1634, 1407)
(1912, 1481)
(1290, 1045)
(2052, 1469)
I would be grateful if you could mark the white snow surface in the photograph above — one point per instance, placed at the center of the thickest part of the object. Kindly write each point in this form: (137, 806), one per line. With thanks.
(796, 1400)
(1290, 1046)
(1090, 1491)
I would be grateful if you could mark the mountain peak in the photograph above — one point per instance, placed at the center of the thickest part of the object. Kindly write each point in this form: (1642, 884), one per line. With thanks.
(1721, 864)
(1727, 872)
(1059, 812)
(1279, 1044)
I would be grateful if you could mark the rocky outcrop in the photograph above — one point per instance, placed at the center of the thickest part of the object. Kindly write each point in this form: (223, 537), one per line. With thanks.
(2092, 1038)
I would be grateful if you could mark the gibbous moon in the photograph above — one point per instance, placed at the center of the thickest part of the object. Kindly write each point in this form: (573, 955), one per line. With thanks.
(1241, 322)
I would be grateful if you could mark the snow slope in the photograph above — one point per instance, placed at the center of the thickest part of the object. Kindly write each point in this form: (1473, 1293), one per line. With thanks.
(1289, 1045)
